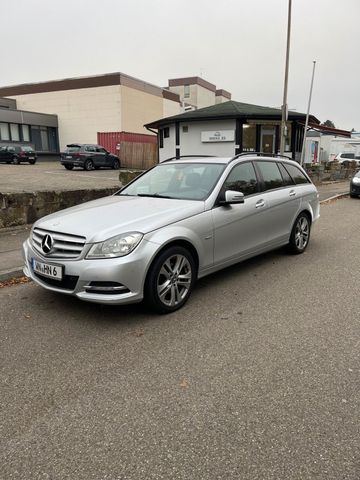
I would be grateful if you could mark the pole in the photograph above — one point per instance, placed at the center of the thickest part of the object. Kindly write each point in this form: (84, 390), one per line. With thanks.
(284, 108)
(307, 116)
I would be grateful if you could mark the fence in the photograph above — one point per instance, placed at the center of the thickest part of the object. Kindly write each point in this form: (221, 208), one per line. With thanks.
(137, 155)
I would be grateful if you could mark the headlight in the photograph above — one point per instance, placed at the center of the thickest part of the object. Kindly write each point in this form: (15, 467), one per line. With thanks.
(356, 180)
(116, 246)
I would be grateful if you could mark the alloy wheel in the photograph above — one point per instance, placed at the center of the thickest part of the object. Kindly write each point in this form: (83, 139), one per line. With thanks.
(302, 231)
(174, 280)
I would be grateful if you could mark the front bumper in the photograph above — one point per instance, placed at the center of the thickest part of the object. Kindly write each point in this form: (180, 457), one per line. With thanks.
(355, 188)
(129, 271)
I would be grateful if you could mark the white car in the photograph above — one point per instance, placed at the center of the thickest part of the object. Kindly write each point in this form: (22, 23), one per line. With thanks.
(346, 158)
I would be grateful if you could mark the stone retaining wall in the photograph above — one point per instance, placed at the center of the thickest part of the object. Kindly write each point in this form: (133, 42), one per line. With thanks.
(27, 207)
(330, 172)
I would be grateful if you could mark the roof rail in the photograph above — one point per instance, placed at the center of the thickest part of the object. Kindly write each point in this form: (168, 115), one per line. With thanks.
(187, 156)
(259, 154)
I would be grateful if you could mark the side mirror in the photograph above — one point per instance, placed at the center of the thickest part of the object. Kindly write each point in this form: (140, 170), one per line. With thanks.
(232, 197)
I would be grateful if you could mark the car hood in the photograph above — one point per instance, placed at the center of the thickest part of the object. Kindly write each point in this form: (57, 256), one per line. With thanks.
(101, 219)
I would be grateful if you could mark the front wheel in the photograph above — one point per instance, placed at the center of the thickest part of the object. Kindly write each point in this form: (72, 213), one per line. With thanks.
(89, 165)
(16, 161)
(170, 280)
(300, 234)
(116, 165)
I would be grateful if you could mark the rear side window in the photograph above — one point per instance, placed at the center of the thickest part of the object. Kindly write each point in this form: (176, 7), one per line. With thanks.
(286, 177)
(296, 174)
(243, 179)
(347, 155)
(271, 175)
(90, 148)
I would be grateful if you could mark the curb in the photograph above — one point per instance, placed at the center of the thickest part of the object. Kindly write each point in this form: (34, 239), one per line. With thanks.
(11, 273)
(334, 197)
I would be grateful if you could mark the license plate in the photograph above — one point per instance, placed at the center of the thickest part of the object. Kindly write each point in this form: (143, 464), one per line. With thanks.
(31, 158)
(68, 156)
(47, 270)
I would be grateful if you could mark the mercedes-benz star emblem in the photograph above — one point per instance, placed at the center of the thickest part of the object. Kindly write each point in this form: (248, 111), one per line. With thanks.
(46, 244)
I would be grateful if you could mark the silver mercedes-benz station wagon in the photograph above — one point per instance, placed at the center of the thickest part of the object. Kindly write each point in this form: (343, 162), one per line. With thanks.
(179, 221)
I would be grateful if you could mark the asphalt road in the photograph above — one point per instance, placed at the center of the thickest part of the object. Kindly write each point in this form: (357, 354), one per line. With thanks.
(256, 378)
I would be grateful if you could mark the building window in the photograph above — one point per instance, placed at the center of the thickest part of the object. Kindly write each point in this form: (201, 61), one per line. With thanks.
(166, 132)
(186, 91)
(4, 131)
(14, 130)
(161, 138)
(25, 133)
(249, 138)
(185, 129)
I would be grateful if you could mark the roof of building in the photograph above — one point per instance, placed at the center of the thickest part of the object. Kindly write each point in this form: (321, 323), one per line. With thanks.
(230, 110)
(107, 79)
(175, 82)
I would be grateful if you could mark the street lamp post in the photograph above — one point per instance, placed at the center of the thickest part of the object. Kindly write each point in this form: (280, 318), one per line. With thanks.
(284, 108)
(307, 116)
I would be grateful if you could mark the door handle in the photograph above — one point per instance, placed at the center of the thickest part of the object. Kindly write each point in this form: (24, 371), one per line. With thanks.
(292, 193)
(259, 204)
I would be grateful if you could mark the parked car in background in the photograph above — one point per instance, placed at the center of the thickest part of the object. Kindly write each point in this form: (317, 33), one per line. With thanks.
(181, 220)
(17, 154)
(88, 157)
(346, 158)
(355, 185)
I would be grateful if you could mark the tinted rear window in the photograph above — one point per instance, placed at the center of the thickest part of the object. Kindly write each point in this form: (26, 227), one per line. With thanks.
(73, 149)
(27, 149)
(271, 175)
(296, 174)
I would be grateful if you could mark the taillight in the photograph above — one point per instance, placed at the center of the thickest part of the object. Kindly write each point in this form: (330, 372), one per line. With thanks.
(21, 153)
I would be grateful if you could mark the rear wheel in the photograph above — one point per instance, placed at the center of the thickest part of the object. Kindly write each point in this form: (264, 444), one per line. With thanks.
(116, 164)
(69, 167)
(300, 234)
(170, 280)
(89, 164)
(16, 161)
(32, 162)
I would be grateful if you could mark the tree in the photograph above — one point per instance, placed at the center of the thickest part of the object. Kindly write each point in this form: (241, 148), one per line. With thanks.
(328, 123)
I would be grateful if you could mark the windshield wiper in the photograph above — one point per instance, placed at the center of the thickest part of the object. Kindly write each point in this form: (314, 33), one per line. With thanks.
(156, 195)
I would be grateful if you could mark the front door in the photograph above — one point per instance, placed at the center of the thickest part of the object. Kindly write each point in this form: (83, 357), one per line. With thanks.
(268, 139)
(240, 229)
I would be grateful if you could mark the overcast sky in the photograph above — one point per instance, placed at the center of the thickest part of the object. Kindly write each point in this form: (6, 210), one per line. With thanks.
(239, 45)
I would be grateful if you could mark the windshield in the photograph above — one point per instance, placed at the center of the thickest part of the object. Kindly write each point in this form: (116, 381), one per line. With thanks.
(188, 181)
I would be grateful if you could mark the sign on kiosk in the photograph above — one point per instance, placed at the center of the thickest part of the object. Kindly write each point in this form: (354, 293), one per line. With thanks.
(218, 136)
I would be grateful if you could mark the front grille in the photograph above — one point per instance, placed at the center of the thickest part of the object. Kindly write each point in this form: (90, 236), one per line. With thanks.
(68, 282)
(64, 245)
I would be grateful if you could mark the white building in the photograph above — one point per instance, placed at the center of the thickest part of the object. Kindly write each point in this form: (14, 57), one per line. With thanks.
(197, 92)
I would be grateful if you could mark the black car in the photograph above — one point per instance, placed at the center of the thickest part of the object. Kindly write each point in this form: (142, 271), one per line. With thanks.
(355, 185)
(88, 157)
(17, 154)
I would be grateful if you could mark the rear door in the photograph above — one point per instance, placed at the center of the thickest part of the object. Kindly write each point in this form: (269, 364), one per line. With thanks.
(283, 200)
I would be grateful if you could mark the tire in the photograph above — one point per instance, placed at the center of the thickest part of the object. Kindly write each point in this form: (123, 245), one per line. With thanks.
(352, 195)
(300, 234)
(69, 167)
(15, 161)
(32, 162)
(89, 165)
(116, 165)
(164, 291)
